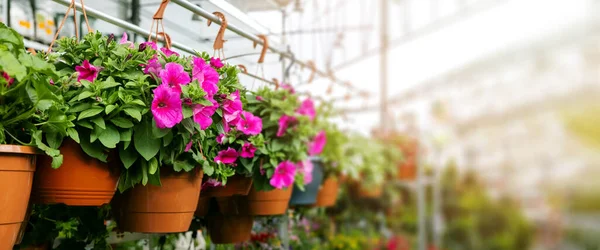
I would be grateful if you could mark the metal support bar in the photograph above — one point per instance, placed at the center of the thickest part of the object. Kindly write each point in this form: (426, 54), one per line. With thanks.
(121, 23)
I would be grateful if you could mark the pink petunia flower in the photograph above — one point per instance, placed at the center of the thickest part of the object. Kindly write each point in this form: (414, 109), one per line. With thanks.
(9, 79)
(168, 52)
(306, 168)
(284, 174)
(188, 147)
(87, 71)
(249, 124)
(211, 183)
(248, 150)
(316, 146)
(203, 114)
(288, 88)
(220, 138)
(284, 122)
(174, 75)
(307, 108)
(216, 62)
(228, 156)
(150, 44)
(153, 67)
(259, 98)
(206, 76)
(166, 107)
(232, 107)
(51, 82)
(125, 41)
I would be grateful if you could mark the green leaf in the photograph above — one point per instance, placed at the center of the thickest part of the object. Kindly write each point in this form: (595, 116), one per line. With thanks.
(144, 166)
(109, 83)
(187, 112)
(182, 165)
(158, 132)
(85, 124)
(109, 108)
(54, 140)
(109, 137)
(154, 179)
(247, 163)
(92, 150)
(90, 112)
(138, 102)
(152, 166)
(207, 168)
(128, 157)
(44, 104)
(57, 161)
(134, 113)
(79, 107)
(10, 64)
(276, 145)
(99, 121)
(122, 122)
(188, 124)
(167, 139)
(73, 134)
(144, 142)
(84, 94)
(126, 135)
(8, 35)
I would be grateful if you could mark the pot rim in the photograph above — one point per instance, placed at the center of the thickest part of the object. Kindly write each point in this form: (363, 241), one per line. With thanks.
(17, 149)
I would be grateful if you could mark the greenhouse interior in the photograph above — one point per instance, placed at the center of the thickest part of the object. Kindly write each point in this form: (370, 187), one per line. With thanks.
(300, 124)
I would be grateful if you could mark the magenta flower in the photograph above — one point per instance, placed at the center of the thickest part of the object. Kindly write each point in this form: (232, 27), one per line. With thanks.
(168, 52)
(51, 82)
(316, 146)
(125, 41)
(249, 124)
(9, 79)
(284, 175)
(248, 150)
(220, 138)
(153, 67)
(306, 168)
(216, 62)
(203, 114)
(206, 76)
(232, 107)
(307, 108)
(150, 44)
(188, 147)
(87, 71)
(259, 98)
(288, 88)
(174, 75)
(166, 107)
(284, 122)
(211, 183)
(228, 156)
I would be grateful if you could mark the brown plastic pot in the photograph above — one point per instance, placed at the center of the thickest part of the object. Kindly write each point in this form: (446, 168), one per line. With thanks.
(328, 193)
(236, 185)
(227, 229)
(80, 181)
(17, 167)
(272, 202)
(160, 209)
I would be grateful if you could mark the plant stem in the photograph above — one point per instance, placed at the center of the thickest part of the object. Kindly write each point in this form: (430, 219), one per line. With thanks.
(15, 138)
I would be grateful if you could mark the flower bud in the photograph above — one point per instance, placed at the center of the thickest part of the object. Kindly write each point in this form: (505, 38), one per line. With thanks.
(111, 38)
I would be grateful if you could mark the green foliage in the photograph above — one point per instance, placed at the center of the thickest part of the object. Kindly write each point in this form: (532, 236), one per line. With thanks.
(369, 161)
(333, 152)
(77, 227)
(30, 107)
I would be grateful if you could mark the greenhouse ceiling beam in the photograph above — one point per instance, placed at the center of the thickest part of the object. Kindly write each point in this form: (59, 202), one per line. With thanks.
(121, 23)
(254, 38)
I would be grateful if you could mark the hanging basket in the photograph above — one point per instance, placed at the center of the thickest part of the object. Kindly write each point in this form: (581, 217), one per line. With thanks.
(168, 208)
(80, 181)
(17, 167)
(274, 202)
(407, 170)
(229, 222)
(236, 185)
(360, 192)
(328, 192)
(309, 195)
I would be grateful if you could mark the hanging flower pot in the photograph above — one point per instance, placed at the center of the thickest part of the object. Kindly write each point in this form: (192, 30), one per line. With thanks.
(80, 181)
(168, 208)
(311, 189)
(17, 166)
(274, 202)
(328, 192)
(230, 223)
(407, 169)
(361, 192)
(202, 207)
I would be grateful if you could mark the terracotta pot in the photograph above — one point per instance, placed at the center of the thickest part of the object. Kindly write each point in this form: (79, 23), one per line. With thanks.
(236, 185)
(80, 181)
(361, 192)
(272, 202)
(17, 167)
(407, 170)
(227, 229)
(328, 193)
(160, 209)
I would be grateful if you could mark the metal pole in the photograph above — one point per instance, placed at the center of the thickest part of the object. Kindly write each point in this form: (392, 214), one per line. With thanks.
(121, 23)
(383, 66)
(421, 208)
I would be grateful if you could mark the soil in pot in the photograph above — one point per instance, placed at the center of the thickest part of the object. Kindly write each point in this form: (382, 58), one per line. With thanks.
(309, 195)
(17, 167)
(328, 192)
(80, 181)
(159, 209)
